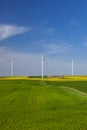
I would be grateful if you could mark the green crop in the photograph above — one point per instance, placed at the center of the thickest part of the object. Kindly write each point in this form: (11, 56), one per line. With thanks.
(43, 105)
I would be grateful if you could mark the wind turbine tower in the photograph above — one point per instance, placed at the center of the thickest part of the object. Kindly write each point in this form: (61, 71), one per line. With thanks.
(42, 67)
(12, 66)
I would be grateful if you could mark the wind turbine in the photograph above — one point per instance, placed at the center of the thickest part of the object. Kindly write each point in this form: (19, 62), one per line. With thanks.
(42, 66)
(72, 67)
(12, 66)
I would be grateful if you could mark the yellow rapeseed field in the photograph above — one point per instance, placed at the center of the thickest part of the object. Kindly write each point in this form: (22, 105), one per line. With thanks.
(65, 78)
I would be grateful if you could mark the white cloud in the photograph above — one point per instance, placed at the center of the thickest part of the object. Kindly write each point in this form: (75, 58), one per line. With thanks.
(45, 21)
(85, 44)
(50, 30)
(30, 64)
(73, 23)
(58, 48)
(11, 30)
(24, 63)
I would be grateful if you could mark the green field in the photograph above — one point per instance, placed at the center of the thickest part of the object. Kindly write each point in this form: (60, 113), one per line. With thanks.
(43, 105)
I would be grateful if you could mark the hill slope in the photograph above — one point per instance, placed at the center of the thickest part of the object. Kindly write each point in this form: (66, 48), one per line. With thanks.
(40, 105)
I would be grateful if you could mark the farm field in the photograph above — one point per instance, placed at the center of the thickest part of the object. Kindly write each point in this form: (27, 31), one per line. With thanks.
(43, 105)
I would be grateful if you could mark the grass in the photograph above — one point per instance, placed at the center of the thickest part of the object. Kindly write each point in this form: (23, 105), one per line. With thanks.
(42, 105)
(79, 85)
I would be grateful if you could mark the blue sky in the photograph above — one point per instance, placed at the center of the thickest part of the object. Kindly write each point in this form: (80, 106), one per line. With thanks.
(56, 28)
